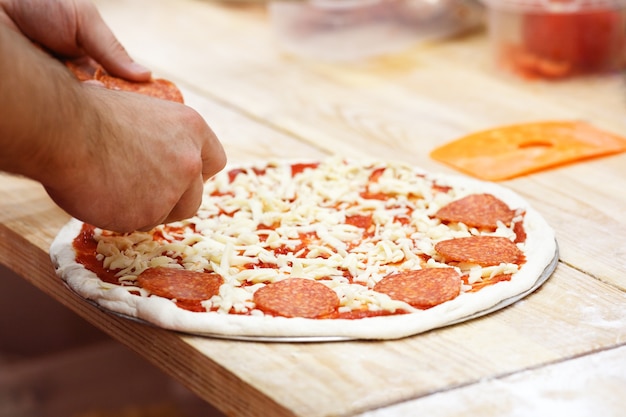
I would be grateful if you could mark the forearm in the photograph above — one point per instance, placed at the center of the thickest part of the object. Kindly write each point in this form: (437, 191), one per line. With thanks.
(41, 112)
(100, 154)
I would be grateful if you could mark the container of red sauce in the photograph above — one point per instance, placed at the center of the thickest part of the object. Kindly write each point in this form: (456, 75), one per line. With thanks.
(554, 39)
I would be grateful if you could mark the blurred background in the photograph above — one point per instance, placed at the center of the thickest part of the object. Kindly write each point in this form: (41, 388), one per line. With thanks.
(55, 364)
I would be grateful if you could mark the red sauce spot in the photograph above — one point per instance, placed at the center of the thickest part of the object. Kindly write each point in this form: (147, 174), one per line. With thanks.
(348, 276)
(373, 196)
(520, 232)
(361, 314)
(85, 247)
(486, 281)
(306, 239)
(376, 174)
(299, 168)
(404, 220)
(363, 221)
(232, 174)
(441, 188)
(374, 177)
(424, 257)
(172, 233)
(262, 226)
(261, 265)
(222, 194)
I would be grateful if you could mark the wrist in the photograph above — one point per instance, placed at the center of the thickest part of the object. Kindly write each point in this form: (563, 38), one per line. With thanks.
(43, 110)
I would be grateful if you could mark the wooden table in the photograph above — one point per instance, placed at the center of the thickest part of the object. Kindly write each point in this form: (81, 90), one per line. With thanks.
(560, 350)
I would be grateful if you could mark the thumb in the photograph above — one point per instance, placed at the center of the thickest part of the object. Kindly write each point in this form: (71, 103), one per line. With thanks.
(98, 41)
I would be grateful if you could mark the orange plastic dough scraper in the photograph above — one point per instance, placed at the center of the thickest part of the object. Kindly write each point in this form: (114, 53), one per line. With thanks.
(510, 151)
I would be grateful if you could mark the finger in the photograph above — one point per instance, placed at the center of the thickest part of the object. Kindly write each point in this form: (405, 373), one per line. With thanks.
(213, 157)
(99, 42)
(188, 204)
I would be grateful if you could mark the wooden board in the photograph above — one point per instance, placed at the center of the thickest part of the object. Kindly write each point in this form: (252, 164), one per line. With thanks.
(555, 389)
(559, 321)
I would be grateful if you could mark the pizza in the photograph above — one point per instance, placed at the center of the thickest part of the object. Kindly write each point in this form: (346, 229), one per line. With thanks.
(328, 249)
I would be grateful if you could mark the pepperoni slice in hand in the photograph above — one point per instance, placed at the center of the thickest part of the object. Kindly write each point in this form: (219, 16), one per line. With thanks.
(296, 297)
(482, 211)
(188, 288)
(422, 288)
(481, 250)
(156, 87)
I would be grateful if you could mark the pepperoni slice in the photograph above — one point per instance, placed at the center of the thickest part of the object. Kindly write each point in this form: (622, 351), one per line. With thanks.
(477, 210)
(481, 250)
(296, 297)
(188, 288)
(422, 288)
(156, 87)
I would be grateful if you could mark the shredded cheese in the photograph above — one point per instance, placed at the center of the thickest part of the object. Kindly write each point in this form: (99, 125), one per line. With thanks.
(267, 225)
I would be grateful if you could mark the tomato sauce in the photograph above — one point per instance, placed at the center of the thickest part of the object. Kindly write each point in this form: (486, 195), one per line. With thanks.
(359, 220)
(85, 247)
(487, 281)
(298, 168)
(232, 174)
(361, 314)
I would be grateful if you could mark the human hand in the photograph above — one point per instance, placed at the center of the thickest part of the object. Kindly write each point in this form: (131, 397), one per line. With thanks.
(141, 162)
(71, 29)
(120, 161)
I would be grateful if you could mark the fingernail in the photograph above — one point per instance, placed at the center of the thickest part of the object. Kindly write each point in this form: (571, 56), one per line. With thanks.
(138, 68)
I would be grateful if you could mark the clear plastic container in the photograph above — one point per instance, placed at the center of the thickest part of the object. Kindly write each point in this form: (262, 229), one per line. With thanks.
(345, 30)
(554, 39)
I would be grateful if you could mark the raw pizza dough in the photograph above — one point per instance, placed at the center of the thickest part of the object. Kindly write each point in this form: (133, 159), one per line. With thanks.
(335, 179)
